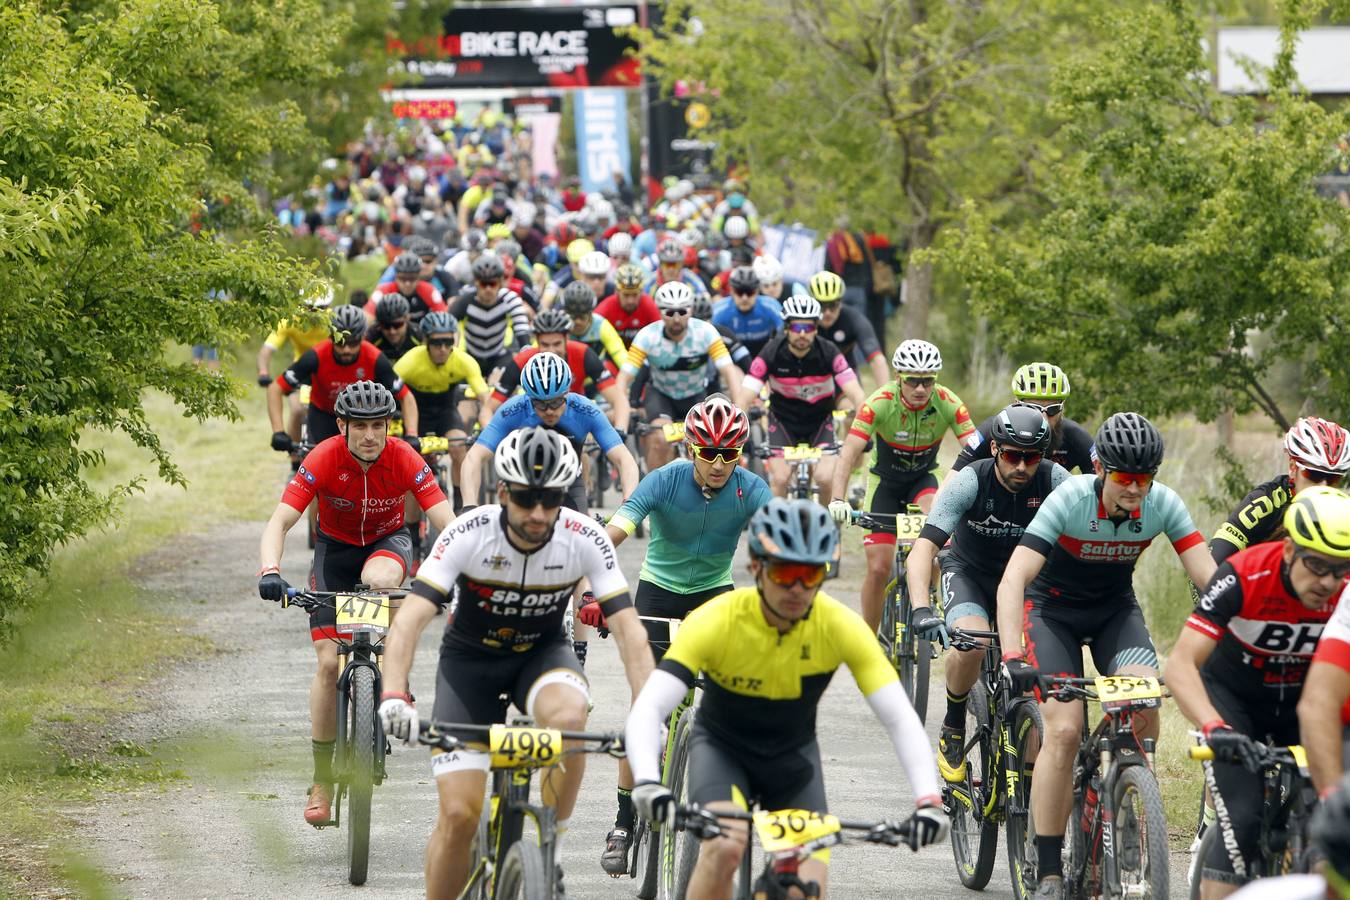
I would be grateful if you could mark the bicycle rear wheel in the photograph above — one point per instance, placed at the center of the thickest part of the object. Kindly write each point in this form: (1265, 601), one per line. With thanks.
(524, 874)
(646, 852)
(1139, 834)
(1212, 836)
(1024, 731)
(679, 849)
(362, 740)
(974, 837)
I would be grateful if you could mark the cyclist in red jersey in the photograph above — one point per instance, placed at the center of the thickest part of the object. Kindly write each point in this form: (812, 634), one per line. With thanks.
(628, 309)
(330, 366)
(551, 329)
(359, 478)
(422, 296)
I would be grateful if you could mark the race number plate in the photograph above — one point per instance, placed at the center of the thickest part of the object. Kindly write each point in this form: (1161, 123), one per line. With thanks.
(790, 829)
(514, 746)
(358, 613)
(1116, 691)
(907, 527)
(801, 451)
(674, 432)
(435, 444)
(395, 427)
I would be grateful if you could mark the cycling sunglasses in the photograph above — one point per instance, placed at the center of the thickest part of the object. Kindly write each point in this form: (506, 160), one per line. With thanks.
(1320, 568)
(494, 282)
(785, 574)
(394, 326)
(928, 381)
(1030, 457)
(713, 454)
(548, 405)
(529, 498)
(675, 312)
(1143, 479)
(1331, 479)
(802, 327)
(441, 342)
(1049, 410)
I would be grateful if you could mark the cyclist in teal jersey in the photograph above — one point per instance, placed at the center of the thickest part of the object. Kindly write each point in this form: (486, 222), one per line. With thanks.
(698, 508)
(1069, 583)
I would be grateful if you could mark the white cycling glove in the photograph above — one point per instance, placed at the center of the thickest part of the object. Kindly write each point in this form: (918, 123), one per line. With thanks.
(399, 716)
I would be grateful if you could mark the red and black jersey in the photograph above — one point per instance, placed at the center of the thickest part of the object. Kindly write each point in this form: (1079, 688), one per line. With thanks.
(425, 299)
(581, 359)
(1265, 636)
(318, 368)
(628, 324)
(359, 506)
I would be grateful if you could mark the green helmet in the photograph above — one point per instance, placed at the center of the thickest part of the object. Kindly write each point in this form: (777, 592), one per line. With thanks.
(1040, 381)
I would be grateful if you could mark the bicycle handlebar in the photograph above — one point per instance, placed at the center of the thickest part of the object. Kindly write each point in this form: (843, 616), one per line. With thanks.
(434, 734)
(703, 823)
(306, 599)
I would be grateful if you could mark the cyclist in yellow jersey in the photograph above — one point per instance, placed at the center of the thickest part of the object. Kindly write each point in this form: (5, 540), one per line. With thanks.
(432, 371)
(767, 653)
(301, 339)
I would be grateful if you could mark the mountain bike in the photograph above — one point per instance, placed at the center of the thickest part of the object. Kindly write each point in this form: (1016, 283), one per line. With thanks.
(1116, 840)
(505, 862)
(787, 837)
(1287, 802)
(359, 748)
(1003, 732)
(911, 657)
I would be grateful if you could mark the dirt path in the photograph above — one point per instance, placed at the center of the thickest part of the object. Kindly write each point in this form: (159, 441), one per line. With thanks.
(238, 723)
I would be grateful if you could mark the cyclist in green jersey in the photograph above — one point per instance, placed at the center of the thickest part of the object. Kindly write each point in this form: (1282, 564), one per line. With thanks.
(698, 508)
(907, 418)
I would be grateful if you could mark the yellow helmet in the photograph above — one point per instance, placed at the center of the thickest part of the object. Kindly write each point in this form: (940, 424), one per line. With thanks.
(1040, 381)
(1318, 519)
(826, 287)
(579, 248)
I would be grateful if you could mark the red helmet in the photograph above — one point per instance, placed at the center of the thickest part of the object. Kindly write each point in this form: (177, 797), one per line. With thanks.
(716, 423)
(564, 233)
(1319, 445)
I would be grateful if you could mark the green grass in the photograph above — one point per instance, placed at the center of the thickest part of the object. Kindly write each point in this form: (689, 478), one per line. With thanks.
(92, 639)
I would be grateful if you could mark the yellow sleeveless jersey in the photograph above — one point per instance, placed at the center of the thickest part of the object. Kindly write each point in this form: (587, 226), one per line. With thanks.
(300, 339)
(425, 377)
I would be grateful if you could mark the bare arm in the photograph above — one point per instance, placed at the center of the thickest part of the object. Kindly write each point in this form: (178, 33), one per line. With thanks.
(273, 544)
(616, 535)
(919, 569)
(631, 636)
(274, 406)
(628, 470)
(409, 405)
(1319, 721)
(731, 378)
(880, 370)
(1200, 565)
(854, 392)
(1183, 676)
(440, 515)
(854, 447)
(413, 616)
(265, 358)
(1023, 566)
(617, 399)
(471, 473)
(490, 404)
(623, 381)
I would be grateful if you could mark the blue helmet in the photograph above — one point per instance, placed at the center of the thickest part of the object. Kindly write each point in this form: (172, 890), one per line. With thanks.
(794, 531)
(546, 376)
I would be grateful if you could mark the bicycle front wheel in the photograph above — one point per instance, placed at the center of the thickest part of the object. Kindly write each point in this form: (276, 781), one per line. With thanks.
(910, 657)
(524, 874)
(975, 836)
(362, 739)
(646, 852)
(679, 849)
(1024, 736)
(1139, 834)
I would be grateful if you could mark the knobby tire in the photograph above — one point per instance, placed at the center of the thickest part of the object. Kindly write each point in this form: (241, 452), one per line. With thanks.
(362, 739)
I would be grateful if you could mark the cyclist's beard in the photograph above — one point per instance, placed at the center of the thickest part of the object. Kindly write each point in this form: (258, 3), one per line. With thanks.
(351, 448)
(1056, 436)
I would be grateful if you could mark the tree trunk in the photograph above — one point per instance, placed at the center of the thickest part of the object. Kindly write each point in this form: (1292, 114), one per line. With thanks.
(918, 283)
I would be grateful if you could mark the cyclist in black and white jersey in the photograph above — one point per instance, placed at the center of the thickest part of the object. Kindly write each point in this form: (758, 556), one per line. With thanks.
(515, 565)
(484, 310)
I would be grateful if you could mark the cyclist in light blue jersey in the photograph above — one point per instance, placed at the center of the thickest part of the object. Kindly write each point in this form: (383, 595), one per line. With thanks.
(752, 317)
(698, 508)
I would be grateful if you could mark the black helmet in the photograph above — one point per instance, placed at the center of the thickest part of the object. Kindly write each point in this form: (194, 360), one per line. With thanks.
(391, 308)
(552, 321)
(474, 239)
(348, 324)
(420, 246)
(578, 298)
(1129, 443)
(439, 323)
(702, 308)
(743, 279)
(1020, 426)
(669, 251)
(1330, 829)
(364, 400)
(488, 267)
(407, 264)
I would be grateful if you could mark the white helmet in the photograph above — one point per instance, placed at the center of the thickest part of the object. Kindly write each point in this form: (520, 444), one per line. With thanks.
(620, 246)
(321, 298)
(801, 307)
(594, 263)
(684, 188)
(523, 213)
(692, 237)
(674, 295)
(768, 268)
(914, 357)
(537, 457)
(736, 228)
(1319, 444)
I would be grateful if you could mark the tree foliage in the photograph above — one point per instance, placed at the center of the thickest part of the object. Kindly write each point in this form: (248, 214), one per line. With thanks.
(891, 114)
(1186, 252)
(112, 129)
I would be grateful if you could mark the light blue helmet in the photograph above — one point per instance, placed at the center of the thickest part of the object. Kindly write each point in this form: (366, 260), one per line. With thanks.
(794, 531)
(546, 377)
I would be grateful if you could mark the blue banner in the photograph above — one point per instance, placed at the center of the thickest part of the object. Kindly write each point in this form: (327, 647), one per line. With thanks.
(602, 137)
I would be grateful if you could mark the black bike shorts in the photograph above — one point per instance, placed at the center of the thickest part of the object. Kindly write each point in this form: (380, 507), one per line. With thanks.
(475, 688)
(319, 426)
(1056, 632)
(337, 567)
(792, 779)
(782, 437)
(894, 497)
(439, 418)
(966, 590)
(1239, 790)
(662, 406)
(653, 600)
